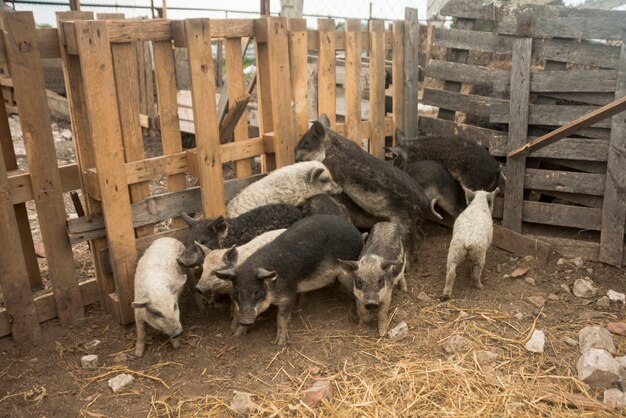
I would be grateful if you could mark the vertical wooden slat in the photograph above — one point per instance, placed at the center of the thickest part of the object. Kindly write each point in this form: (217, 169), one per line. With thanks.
(263, 88)
(397, 75)
(127, 88)
(280, 76)
(146, 84)
(165, 79)
(518, 129)
(411, 71)
(234, 69)
(299, 73)
(352, 84)
(614, 206)
(377, 88)
(14, 282)
(326, 74)
(99, 87)
(202, 77)
(26, 69)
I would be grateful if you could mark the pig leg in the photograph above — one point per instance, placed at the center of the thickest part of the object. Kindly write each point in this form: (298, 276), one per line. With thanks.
(362, 312)
(383, 311)
(477, 270)
(282, 322)
(175, 343)
(238, 330)
(140, 346)
(402, 279)
(447, 290)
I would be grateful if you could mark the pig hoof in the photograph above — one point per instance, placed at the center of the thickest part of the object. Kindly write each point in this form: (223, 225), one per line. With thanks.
(240, 331)
(444, 298)
(382, 332)
(478, 285)
(138, 353)
(175, 344)
(281, 340)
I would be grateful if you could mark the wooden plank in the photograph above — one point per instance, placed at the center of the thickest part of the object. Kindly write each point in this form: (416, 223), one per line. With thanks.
(352, 84)
(237, 91)
(464, 73)
(48, 43)
(614, 208)
(467, 103)
(397, 73)
(540, 114)
(411, 71)
(518, 128)
(280, 75)
(165, 81)
(264, 93)
(580, 81)
(486, 138)
(14, 280)
(313, 40)
(470, 10)
(619, 105)
(21, 189)
(326, 76)
(578, 149)
(202, 77)
(599, 99)
(109, 16)
(97, 72)
(576, 198)
(471, 40)
(562, 215)
(565, 181)
(125, 70)
(299, 73)
(377, 90)
(27, 75)
(146, 85)
(235, 112)
(520, 244)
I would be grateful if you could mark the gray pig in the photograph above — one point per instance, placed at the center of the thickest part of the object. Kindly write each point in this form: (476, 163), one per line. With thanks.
(323, 204)
(380, 268)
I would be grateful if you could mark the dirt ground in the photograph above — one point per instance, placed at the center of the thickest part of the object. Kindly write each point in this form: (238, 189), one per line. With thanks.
(370, 376)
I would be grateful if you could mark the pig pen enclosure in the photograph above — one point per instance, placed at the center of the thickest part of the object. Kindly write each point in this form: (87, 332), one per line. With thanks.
(511, 74)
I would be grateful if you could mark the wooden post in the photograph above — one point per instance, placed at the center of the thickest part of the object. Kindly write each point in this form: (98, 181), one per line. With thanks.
(299, 73)
(518, 129)
(219, 81)
(264, 93)
(27, 75)
(397, 75)
(411, 71)
(352, 84)
(99, 87)
(265, 7)
(280, 83)
(75, 5)
(377, 89)
(614, 206)
(326, 75)
(202, 76)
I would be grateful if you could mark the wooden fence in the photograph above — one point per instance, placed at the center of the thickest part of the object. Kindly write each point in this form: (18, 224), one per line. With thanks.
(100, 70)
(550, 65)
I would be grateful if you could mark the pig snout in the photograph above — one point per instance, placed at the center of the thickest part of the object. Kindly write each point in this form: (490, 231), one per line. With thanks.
(336, 189)
(245, 321)
(299, 157)
(371, 304)
(189, 260)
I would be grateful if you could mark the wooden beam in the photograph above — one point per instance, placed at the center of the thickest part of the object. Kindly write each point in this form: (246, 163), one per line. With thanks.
(397, 73)
(235, 111)
(411, 71)
(377, 90)
(326, 75)
(352, 84)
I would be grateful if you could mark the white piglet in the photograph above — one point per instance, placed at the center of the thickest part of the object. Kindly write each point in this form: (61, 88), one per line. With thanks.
(292, 184)
(471, 237)
(159, 280)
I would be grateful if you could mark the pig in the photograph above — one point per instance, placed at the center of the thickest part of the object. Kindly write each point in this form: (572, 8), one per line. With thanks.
(470, 164)
(219, 232)
(159, 281)
(377, 187)
(323, 204)
(358, 217)
(227, 258)
(380, 267)
(292, 184)
(471, 237)
(301, 259)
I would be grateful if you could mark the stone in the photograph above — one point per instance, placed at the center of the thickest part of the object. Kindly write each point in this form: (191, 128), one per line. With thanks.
(121, 381)
(588, 315)
(528, 258)
(322, 389)
(595, 337)
(589, 270)
(455, 344)
(92, 344)
(530, 281)
(560, 262)
(519, 316)
(618, 328)
(565, 288)
(622, 363)
(614, 398)
(520, 271)
(616, 296)
(570, 341)
(597, 368)
(66, 134)
(89, 361)
(423, 297)
(577, 262)
(603, 302)
(584, 288)
(399, 331)
(242, 403)
(536, 342)
(538, 301)
(552, 296)
(484, 357)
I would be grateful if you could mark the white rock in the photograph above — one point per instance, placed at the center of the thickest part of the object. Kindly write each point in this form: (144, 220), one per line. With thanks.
(560, 262)
(603, 302)
(570, 341)
(614, 398)
(595, 337)
(242, 403)
(89, 361)
(121, 381)
(536, 342)
(578, 262)
(530, 281)
(552, 296)
(584, 288)
(66, 134)
(454, 344)
(616, 296)
(622, 363)
(92, 344)
(399, 331)
(485, 357)
(519, 316)
(565, 288)
(597, 368)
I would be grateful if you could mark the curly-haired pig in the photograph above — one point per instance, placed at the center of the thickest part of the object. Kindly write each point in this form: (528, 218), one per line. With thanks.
(380, 267)
(323, 204)
(292, 184)
(159, 281)
(301, 259)
(224, 233)
(376, 186)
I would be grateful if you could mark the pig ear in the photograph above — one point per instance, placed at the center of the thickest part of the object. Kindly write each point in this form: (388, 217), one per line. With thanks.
(201, 248)
(317, 130)
(469, 195)
(141, 303)
(324, 121)
(315, 173)
(400, 136)
(230, 256)
(399, 161)
(348, 266)
(188, 219)
(219, 227)
(389, 264)
(228, 274)
(263, 274)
